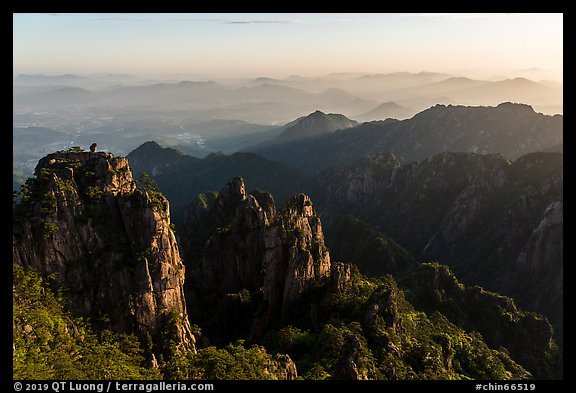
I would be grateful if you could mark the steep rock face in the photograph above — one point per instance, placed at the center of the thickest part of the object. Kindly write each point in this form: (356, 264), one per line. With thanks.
(238, 243)
(498, 223)
(83, 221)
(340, 275)
(541, 260)
(400, 198)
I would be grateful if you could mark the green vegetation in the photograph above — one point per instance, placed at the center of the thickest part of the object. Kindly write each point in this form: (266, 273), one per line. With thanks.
(527, 336)
(48, 228)
(32, 193)
(66, 185)
(234, 361)
(148, 185)
(352, 339)
(73, 149)
(49, 343)
(369, 331)
(94, 194)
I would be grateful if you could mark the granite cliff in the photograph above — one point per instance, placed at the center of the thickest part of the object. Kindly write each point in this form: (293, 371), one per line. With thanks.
(243, 254)
(83, 222)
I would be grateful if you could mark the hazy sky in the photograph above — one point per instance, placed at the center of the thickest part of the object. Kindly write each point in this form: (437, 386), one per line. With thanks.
(279, 45)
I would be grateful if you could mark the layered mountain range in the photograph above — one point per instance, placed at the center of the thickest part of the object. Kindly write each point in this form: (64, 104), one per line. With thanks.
(346, 93)
(428, 248)
(200, 117)
(510, 129)
(294, 155)
(498, 222)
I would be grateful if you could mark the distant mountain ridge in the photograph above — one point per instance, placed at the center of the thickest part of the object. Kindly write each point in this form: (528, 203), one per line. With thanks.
(316, 123)
(511, 129)
(384, 111)
(52, 79)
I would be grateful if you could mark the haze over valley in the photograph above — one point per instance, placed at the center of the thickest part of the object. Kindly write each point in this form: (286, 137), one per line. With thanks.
(202, 117)
(288, 196)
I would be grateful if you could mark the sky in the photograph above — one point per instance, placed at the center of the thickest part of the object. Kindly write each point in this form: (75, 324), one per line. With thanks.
(279, 45)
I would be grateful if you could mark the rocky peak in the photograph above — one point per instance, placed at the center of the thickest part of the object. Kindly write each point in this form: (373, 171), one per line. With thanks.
(505, 108)
(266, 202)
(83, 222)
(234, 191)
(316, 123)
(215, 155)
(516, 107)
(274, 257)
(89, 169)
(536, 166)
(383, 303)
(299, 205)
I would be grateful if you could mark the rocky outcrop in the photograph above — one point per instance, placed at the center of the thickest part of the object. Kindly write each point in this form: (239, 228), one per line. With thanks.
(340, 275)
(290, 372)
(240, 242)
(383, 304)
(83, 222)
(347, 367)
(497, 222)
